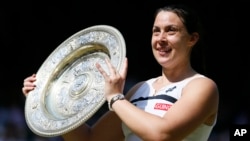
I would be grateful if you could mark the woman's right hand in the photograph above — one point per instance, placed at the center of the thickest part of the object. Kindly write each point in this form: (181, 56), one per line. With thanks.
(28, 84)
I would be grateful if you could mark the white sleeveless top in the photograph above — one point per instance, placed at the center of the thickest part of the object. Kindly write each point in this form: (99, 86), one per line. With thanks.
(160, 103)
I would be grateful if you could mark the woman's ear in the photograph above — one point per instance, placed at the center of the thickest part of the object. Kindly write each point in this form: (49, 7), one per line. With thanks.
(193, 39)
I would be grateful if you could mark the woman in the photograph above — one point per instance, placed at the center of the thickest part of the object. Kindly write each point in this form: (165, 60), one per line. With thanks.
(180, 104)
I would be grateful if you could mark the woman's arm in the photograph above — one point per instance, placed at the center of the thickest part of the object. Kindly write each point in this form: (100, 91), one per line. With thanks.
(198, 103)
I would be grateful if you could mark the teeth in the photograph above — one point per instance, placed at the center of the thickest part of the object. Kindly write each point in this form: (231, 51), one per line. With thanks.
(164, 50)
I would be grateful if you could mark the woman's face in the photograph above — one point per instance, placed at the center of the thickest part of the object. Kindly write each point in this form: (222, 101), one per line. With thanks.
(171, 43)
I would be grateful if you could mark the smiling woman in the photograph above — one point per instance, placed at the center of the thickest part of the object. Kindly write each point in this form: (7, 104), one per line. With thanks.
(157, 105)
(30, 31)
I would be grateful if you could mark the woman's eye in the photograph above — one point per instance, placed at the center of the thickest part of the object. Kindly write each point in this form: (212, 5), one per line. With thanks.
(172, 29)
(156, 31)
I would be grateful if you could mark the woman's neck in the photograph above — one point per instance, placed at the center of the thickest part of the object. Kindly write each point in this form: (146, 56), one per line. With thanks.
(175, 75)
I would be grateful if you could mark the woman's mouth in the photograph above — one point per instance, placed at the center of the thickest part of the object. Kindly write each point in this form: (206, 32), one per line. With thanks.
(164, 51)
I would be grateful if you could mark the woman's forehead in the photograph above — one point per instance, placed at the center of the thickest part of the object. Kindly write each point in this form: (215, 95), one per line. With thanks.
(168, 17)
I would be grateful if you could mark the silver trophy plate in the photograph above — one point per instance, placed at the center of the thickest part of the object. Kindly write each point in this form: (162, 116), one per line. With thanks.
(69, 89)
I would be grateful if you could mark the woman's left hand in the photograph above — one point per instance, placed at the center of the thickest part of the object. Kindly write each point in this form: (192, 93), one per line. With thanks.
(114, 80)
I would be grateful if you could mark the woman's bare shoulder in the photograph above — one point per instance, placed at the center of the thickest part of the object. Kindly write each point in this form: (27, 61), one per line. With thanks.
(202, 86)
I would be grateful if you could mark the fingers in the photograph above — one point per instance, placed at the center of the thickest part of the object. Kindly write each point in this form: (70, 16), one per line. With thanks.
(31, 78)
(114, 82)
(124, 68)
(26, 90)
(28, 84)
(112, 70)
(102, 71)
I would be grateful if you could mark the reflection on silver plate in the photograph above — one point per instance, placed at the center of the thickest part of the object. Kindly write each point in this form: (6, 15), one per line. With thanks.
(69, 87)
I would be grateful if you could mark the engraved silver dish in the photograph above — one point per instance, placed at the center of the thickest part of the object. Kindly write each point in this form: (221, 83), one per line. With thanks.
(69, 89)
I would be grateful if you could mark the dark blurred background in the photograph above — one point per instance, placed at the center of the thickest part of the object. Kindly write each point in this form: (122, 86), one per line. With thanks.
(30, 31)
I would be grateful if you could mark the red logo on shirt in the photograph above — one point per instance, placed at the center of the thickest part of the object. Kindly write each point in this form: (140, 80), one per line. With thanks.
(162, 106)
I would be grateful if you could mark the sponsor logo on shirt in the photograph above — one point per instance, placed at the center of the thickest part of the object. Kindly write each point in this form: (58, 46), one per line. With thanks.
(162, 106)
(170, 89)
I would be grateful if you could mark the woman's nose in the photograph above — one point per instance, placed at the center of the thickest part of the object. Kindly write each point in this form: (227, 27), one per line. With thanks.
(162, 36)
